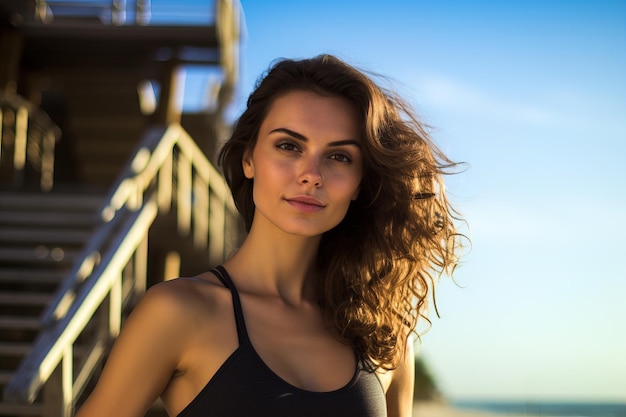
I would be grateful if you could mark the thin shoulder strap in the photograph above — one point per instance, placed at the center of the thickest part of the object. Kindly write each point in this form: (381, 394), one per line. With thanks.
(223, 276)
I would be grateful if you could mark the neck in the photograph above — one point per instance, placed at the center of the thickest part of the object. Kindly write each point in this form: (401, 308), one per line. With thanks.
(276, 264)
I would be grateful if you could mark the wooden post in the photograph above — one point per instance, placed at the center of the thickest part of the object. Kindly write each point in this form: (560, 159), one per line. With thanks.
(200, 212)
(169, 108)
(118, 12)
(20, 144)
(11, 45)
(143, 12)
(164, 190)
(115, 307)
(58, 389)
(217, 220)
(47, 160)
(141, 268)
(183, 182)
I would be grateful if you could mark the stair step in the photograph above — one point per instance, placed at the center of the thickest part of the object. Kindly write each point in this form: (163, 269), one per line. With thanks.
(64, 219)
(14, 349)
(9, 409)
(106, 172)
(29, 235)
(109, 106)
(18, 322)
(24, 298)
(122, 121)
(41, 254)
(117, 153)
(31, 276)
(49, 201)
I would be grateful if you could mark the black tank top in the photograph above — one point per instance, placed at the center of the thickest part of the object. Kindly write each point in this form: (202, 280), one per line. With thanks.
(244, 386)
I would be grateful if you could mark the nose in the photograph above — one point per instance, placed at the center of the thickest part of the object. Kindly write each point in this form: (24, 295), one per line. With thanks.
(310, 173)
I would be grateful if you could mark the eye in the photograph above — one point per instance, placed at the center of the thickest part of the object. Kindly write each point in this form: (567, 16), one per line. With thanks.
(340, 157)
(287, 146)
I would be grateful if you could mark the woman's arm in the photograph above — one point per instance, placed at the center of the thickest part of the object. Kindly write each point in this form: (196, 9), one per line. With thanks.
(400, 392)
(143, 358)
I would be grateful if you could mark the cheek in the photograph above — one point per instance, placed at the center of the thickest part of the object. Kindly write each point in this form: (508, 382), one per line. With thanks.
(348, 187)
(271, 177)
(354, 185)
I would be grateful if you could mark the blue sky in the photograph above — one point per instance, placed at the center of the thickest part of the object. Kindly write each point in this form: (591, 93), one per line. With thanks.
(532, 95)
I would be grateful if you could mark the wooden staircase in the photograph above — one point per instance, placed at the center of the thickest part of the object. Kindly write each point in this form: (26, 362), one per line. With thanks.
(60, 259)
(73, 264)
(103, 121)
(41, 234)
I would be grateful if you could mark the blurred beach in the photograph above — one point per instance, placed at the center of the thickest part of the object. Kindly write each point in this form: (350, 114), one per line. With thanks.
(437, 409)
(518, 409)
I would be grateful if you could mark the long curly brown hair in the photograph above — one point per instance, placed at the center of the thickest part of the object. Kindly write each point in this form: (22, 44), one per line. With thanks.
(378, 267)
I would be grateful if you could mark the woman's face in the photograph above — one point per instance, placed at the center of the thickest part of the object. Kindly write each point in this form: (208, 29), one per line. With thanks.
(307, 163)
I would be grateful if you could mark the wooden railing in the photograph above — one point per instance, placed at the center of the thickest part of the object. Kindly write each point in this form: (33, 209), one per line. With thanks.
(27, 141)
(168, 170)
(125, 12)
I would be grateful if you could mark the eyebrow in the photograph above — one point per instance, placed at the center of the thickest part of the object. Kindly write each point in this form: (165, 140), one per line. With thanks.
(303, 138)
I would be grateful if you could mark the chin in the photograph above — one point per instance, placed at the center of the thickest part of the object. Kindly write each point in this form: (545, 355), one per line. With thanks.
(307, 231)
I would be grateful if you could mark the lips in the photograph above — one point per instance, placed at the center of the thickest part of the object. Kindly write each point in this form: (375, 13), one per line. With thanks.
(307, 200)
(306, 203)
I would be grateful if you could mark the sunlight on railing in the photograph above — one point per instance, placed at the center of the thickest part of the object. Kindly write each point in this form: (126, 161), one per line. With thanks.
(27, 141)
(167, 171)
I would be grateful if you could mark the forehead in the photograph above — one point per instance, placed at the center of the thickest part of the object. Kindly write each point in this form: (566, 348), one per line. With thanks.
(326, 115)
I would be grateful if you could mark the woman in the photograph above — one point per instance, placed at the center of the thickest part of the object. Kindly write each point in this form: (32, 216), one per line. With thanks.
(340, 190)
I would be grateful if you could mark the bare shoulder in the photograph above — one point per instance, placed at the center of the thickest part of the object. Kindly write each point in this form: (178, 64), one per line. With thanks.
(173, 321)
(399, 384)
(185, 295)
(179, 310)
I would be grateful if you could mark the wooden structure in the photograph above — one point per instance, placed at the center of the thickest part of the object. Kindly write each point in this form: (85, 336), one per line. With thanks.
(103, 176)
